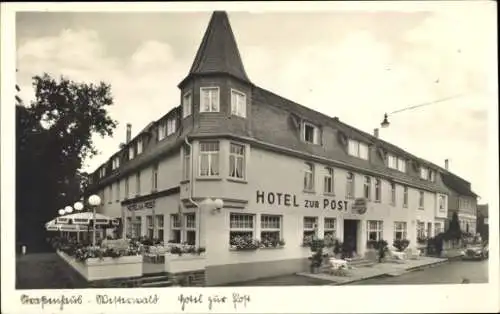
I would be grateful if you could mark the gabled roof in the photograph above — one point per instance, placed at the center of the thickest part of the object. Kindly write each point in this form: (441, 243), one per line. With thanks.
(218, 51)
(457, 184)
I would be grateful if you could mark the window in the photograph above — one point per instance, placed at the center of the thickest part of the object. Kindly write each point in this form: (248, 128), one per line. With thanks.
(190, 220)
(401, 165)
(137, 227)
(310, 229)
(421, 199)
(374, 230)
(350, 185)
(358, 149)
(187, 104)
(393, 193)
(160, 227)
(310, 133)
(270, 226)
(378, 195)
(154, 177)
(129, 226)
(432, 175)
(437, 228)
(241, 227)
(117, 191)
(171, 126)
(186, 172)
(209, 99)
(138, 183)
(162, 131)
(131, 152)
(209, 159)
(367, 188)
(420, 230)
(139, 147)
(115, 163)
(175, 228)
(237, 161)
(102, 172)
(238, 104)
(392, 161)
(399, 230)
(330, 228)
(329, 181)
(149, 223)
(308, 177)
(126, 188)
(405, 196)
(424, 173)
(110, 190)
(442, 201)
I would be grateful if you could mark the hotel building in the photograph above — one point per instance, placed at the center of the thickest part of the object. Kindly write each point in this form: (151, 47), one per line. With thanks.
(283, 171)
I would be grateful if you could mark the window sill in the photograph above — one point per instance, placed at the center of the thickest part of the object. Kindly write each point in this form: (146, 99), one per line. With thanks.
(214, 178)
(184, 181)
(329, 194)
(309, 191)
(236, 180)
(243, 250)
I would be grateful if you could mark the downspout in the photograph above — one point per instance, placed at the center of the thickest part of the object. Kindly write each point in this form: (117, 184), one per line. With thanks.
(191, 191)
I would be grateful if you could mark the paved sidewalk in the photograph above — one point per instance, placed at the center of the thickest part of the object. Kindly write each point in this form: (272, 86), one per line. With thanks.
(378, 270)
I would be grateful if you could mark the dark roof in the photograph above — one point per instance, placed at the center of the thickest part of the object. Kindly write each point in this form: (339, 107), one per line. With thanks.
(218, 51)
(482, 210)
(457, 184)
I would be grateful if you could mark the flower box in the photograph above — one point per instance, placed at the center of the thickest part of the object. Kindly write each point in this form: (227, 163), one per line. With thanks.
(175, 263)
(107, 267)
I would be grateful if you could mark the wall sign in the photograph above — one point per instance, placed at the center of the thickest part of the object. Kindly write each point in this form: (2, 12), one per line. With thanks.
(139, 206)
(291, 200)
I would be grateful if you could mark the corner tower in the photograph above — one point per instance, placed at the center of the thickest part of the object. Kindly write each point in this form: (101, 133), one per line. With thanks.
(216, 94)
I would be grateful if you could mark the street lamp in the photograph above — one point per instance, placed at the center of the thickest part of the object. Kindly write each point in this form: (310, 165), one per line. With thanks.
(78, 206)
(385, 123)
(68, 209)
(94, 201)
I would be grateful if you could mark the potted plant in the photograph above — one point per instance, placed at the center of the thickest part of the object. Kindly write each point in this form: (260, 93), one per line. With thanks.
(337, 249)
(382, 249)
(401, 244)
(316, 261)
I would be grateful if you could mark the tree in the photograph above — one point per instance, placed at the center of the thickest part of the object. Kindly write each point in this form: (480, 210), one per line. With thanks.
(54, 137)
(454, 233)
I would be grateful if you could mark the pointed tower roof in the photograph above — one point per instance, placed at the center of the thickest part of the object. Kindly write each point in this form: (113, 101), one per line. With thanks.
(218, 51)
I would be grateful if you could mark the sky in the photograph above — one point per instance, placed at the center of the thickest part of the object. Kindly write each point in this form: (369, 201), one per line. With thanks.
(354, 64)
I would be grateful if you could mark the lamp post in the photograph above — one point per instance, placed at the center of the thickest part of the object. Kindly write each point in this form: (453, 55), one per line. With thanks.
(78, 207)
(94, 201)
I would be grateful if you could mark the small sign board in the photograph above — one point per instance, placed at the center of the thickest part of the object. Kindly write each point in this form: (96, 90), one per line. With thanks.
(359, 206)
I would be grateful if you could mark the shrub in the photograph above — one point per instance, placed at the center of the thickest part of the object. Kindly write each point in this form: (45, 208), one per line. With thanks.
(401, 245)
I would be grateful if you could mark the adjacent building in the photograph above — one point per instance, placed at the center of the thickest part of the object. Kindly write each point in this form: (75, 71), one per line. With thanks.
(285, 173)
(461, 200)
(482, 226)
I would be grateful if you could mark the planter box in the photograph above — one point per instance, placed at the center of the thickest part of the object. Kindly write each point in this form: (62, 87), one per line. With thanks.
(184, 263)
(107, 268)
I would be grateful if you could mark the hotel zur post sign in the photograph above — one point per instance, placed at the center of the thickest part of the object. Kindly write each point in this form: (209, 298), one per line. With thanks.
(291, 200)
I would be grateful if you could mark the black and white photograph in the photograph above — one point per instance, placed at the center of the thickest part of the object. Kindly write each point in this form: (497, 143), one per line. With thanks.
(228, 148)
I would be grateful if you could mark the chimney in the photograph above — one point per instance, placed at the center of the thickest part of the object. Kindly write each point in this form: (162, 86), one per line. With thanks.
(129, 133)
(375, 133)
(446, 164)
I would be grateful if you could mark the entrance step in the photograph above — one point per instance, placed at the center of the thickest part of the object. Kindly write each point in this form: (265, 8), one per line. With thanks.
(157, 284)
(360, 262)
(155, 280)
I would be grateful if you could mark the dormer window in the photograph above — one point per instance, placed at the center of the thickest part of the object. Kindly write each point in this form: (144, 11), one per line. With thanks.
(162, 131)
(187, 103)
(432, 175)
(238, 104)
(358, 149)
(102, 172)
(139, 147)
(209, 99)
(171, 126)
(424, 173)
(115, 163)
(310, 133)
(396, 163)
(131, 153)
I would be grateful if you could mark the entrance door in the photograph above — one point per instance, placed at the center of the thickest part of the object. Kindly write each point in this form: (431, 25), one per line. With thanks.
(351, 235)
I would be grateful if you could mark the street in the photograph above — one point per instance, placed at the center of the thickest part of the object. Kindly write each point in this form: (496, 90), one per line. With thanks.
(449, 273)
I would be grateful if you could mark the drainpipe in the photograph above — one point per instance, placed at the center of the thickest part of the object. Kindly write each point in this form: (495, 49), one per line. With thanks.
(191, 191)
